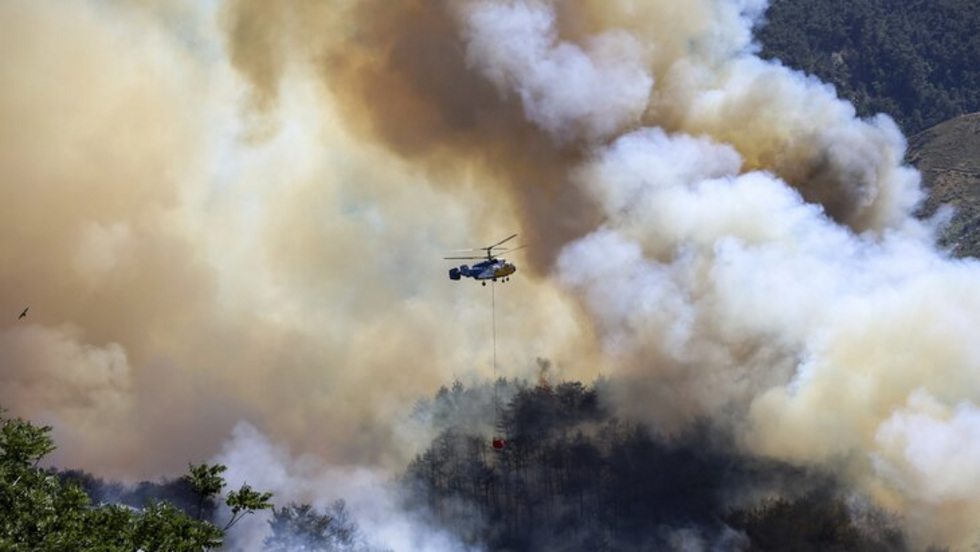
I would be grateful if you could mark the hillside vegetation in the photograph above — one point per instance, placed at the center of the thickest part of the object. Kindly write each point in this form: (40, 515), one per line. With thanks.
(44, 510)
(572, 476)
(915, 60)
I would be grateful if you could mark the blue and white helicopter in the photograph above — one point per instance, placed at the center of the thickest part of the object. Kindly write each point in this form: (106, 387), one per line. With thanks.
(490, 267)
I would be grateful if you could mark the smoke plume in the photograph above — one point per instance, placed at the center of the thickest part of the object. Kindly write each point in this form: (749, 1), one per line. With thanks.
(373, 497)
(235, 212)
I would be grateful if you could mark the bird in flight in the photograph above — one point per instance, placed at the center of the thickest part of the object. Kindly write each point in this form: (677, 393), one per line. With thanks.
(23, 314)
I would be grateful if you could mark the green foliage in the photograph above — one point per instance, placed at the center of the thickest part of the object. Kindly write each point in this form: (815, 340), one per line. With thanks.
(206, 483)
(301, 527)
(246, 501)
(912, 59)
(205, 480)
(22, 444)
(162, 526)
(42, 511)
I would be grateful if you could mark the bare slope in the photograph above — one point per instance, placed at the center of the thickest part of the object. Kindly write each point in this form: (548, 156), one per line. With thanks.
(948, 155)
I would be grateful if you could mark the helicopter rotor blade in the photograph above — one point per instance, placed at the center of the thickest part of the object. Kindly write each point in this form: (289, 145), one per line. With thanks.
(513, 249)
(501, 241)
(488, 251)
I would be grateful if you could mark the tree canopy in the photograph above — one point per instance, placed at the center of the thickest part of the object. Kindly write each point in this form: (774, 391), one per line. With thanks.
(42, 510)
(572, 476)
(912, 59)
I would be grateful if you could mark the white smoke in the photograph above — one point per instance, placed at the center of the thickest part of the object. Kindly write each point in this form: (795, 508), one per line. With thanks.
(930, 450)
(374, 499)
(793, 124)
(569, 91)
(817, 308)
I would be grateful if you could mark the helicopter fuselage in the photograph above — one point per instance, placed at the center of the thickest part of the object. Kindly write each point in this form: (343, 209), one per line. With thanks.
(491, 269)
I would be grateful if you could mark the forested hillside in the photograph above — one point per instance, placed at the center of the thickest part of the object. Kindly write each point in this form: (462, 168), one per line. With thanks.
(43, 509)
(915, 60)
(574, 477)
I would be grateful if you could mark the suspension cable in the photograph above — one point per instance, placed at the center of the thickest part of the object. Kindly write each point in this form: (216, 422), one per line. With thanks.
(493, 323)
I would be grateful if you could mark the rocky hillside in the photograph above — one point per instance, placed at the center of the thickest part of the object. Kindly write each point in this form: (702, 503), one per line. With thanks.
(948, 155)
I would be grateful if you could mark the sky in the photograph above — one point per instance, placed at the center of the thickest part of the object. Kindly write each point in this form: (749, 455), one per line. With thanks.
(228, 220)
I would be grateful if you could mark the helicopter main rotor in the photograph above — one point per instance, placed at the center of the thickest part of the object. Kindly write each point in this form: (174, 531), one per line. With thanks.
(489, 250)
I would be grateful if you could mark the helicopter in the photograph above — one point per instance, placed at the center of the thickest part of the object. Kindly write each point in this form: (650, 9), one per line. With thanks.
(489, 268)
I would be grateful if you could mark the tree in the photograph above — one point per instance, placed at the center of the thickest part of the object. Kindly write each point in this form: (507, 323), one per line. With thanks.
(206, 483)
(575, 477)
(911, 59)
(246, 501)
(43, 511)
(301, 527)
(817, 521)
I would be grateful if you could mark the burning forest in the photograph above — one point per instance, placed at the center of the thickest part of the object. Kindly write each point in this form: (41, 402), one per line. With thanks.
(222, 231)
